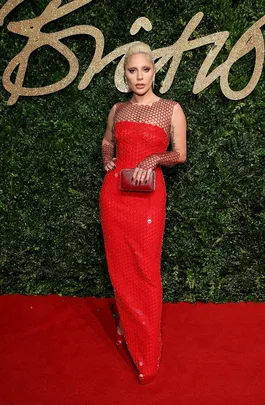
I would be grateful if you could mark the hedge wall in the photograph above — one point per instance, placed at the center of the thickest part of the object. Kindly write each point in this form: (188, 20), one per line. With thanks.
(51, 167)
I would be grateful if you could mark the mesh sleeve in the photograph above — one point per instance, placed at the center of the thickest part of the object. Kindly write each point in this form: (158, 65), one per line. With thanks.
(170, 158)
(107, 152)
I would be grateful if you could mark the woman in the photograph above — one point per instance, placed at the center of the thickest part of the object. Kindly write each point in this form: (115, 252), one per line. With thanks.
(133, 223)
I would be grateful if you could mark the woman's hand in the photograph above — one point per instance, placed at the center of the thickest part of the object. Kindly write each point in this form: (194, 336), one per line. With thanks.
(141, 175)
(110, 165)
(143, 170)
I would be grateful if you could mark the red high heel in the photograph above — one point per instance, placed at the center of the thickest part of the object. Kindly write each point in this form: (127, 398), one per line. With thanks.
(120, 341)
(145, 378)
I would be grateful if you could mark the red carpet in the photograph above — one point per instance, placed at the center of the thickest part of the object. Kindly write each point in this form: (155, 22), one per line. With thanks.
(61, 350)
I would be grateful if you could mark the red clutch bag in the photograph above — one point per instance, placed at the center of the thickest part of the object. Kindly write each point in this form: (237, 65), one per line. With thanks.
(126, 183)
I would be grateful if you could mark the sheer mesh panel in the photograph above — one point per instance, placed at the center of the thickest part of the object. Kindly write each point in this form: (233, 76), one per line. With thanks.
(159, 113)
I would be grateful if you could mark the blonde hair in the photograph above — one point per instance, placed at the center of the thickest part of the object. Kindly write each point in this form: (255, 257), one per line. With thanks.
(139, 47)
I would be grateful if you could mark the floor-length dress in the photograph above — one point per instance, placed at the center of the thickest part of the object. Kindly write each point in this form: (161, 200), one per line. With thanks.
(133, 226)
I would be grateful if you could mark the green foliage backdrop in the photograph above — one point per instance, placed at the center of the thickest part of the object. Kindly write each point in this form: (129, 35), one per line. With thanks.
(51, 167)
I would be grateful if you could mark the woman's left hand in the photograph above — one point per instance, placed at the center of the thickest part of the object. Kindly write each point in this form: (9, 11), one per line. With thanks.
(141, 175)
(143, 170)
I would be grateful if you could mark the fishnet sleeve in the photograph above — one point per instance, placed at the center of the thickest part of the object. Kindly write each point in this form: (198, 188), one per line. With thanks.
(108, 141)
(178, 144)
(107, 151)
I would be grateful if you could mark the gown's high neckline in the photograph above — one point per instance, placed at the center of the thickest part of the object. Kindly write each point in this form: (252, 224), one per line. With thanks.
(145, 105)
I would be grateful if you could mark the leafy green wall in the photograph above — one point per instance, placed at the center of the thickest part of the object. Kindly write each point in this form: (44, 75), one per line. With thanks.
(51, 167)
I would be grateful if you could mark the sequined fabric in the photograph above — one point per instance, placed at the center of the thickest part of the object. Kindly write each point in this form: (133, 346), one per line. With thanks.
(133, 228)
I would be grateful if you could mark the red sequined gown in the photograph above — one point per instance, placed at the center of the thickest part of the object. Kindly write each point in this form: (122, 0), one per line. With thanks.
(133, 228)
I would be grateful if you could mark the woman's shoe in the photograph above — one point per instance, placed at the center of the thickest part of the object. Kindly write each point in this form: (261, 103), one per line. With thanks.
(145, 378)
(120, 341)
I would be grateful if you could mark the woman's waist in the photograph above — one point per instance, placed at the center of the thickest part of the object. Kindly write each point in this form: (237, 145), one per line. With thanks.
(132, 159)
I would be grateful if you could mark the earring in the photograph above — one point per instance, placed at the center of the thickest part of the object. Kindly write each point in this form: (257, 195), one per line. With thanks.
(153, 83)
(126, 87)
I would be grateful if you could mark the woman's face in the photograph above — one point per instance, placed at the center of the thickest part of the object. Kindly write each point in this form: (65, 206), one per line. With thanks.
(139, 72)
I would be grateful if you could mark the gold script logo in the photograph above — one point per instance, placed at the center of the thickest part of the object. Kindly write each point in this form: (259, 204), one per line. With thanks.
(31, 28)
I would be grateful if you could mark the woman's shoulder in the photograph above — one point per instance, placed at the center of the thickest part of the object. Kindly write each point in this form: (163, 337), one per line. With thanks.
(174, 106)
(117, 105)
(169, 101)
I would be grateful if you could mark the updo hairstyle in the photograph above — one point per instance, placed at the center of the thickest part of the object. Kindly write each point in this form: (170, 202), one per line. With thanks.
(139, 47)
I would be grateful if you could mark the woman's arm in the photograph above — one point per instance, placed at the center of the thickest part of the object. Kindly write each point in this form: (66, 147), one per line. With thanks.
(177, 155)
(108, 142)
